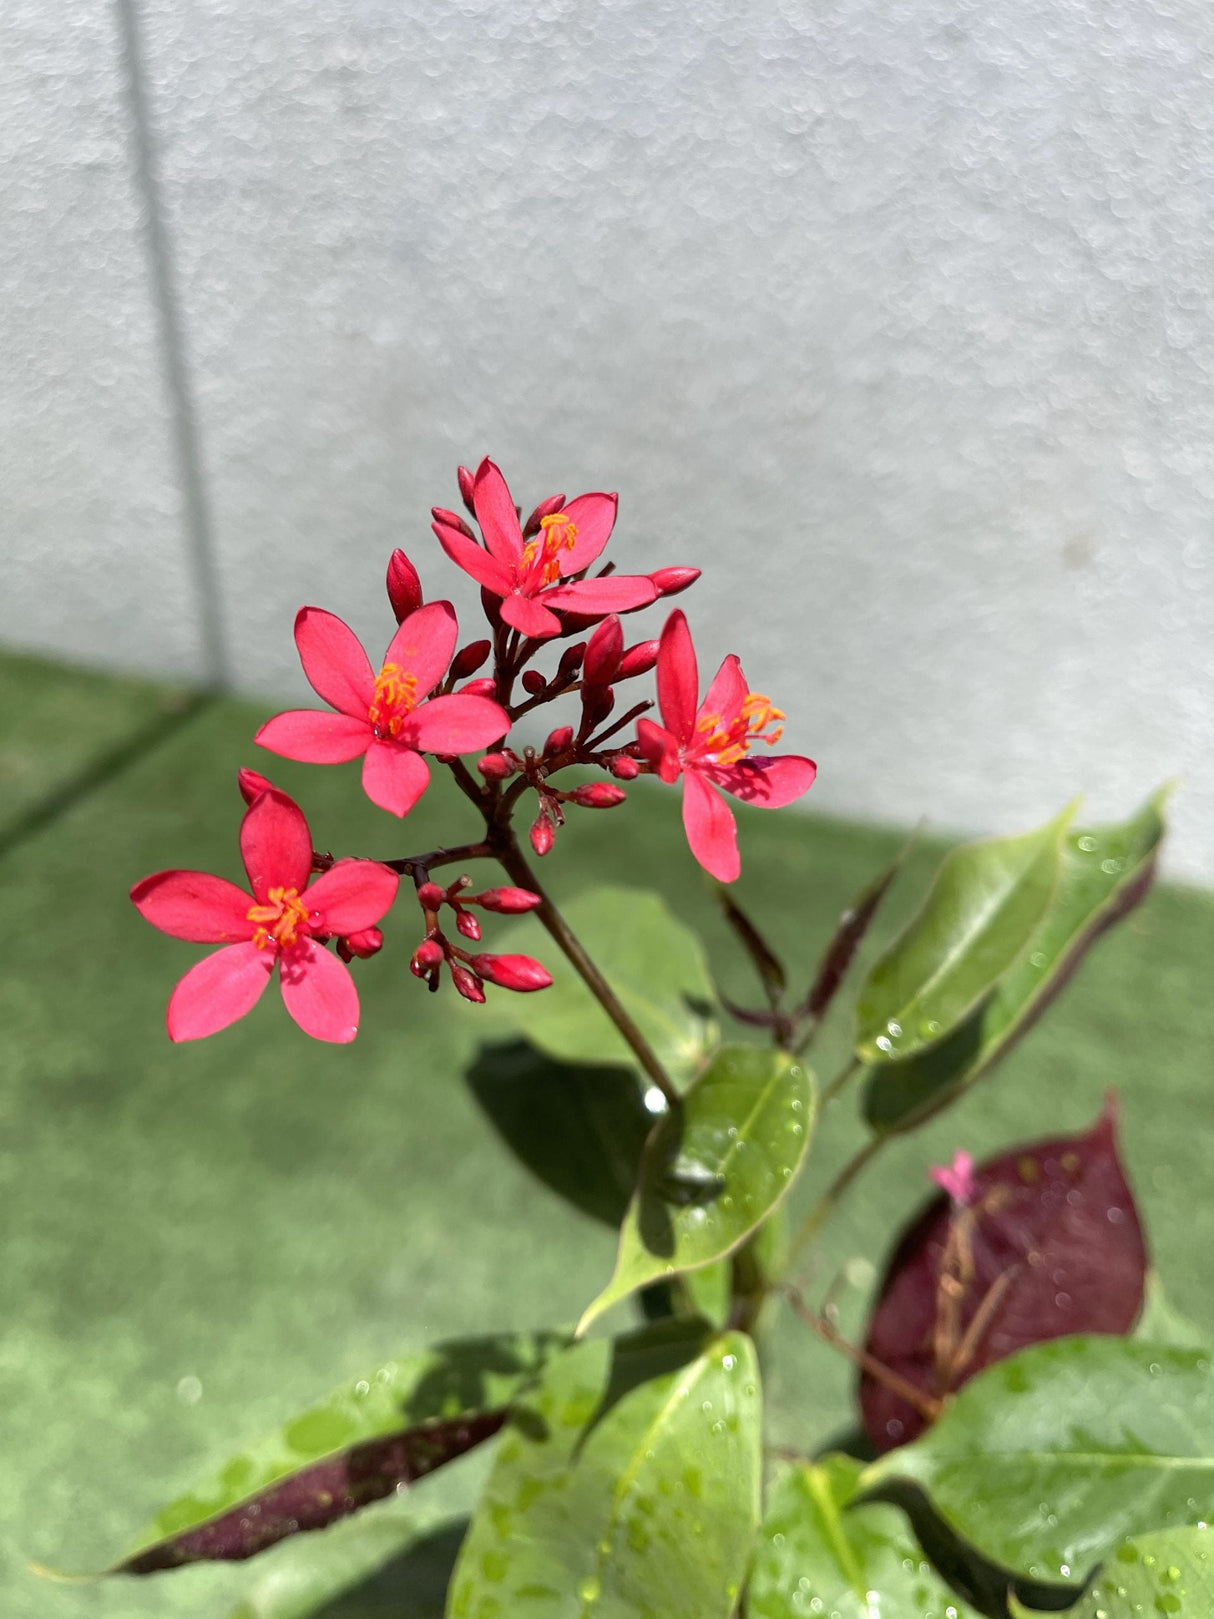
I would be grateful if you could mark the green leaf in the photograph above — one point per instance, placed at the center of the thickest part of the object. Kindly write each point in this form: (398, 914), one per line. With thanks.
(1161, 1323)
(713, 1169)
(979, 914)
(1171, 1573)
(627, 1486)
(655, 965)
(1102, 875)
(1044, 1461)
(819, 1554)
(419, 1403)
(580, 1129)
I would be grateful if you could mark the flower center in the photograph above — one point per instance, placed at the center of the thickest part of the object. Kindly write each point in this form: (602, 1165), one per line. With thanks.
(542, 554)
(395, 699)
(279, 920)
(725, 742)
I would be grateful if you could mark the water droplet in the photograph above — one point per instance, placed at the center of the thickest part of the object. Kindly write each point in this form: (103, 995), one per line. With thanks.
(189, 1390)
(590, 1589)
(654, 1101)
(1087, 844)
(729, 1362)
(895, 1028)
(1039, 959)
(884, 1043)
(362, 1387)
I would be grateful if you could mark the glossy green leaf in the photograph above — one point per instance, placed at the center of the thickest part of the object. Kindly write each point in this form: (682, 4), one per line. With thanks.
(1044, 1461)
(1160, 1576)
(819, 1554)
(1102, 875)
(627, 1486)
(580, 1128)
(981, 910)
(715, 1169)
(655, 965)
(417, 1405)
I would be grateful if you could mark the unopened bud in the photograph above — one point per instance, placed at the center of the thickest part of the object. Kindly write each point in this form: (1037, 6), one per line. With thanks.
(522, 973)
(491, 606)
(495, 767)
(467, 923)
(670, 581)
(622, 766)
(431, 896)
(440, 514)
(467, 483)
(603, 652)
(469, 659)
(404, 586)
(485, 687)
(468, 984)
(571, 661)
(545, 509)
(506, 901)
(638, 660)
(597, 703)
(542, 833)
(365, 943)
(533, 681)
(599, 795)
(252, 785)
(427, 956)
(558, 740)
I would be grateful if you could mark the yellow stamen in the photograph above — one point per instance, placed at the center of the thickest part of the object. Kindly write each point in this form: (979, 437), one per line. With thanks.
(558, 533)
(395, 698)
(279, 920)
(728, 742)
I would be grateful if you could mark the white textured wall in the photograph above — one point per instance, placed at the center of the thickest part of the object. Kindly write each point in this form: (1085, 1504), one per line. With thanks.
(894, 317)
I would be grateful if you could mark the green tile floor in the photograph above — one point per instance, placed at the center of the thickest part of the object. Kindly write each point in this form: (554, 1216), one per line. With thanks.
(199, 1240)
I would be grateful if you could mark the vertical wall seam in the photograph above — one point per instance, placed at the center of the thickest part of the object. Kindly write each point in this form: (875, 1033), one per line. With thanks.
(199, 527)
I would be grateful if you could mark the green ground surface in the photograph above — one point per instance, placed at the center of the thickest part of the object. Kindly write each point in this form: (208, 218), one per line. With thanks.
(200, 1240)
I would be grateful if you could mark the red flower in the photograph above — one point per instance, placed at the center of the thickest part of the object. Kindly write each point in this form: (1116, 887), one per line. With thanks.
(282, 921)
(384, 716)
(568, 542)
(708, 747)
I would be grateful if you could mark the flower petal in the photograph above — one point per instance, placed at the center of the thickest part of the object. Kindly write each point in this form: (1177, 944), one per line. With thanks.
(710, 828)
(352, 895)
(218, 990)
(316, 738)
(524, 614)
(469, 556)
(423, 645)
(594, 518)
(394, 777)
(660, 749)
(275, 844)
(334, 661)
(319, 993)
(769, 783)
(495, 513)
(194, 905)
(678, 678)
(728, 690)
(618, 593)
(456, 724)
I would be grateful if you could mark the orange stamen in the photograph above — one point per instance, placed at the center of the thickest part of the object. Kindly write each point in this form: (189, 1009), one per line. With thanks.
(395, 698)
(279, 920)
(558, 533)
(728, 742)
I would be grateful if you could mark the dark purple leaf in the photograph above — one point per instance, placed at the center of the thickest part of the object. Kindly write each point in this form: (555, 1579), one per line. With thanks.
(1050, 1245)
(848, 937)
(766, 963)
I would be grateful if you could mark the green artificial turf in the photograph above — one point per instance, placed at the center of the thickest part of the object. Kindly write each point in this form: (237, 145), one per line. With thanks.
(199, 1240)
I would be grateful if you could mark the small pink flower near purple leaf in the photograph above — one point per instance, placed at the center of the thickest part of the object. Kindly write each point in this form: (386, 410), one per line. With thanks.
(957, 1179)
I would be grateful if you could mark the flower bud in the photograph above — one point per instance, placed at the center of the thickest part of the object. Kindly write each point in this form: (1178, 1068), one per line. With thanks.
(571, 661)
(622, 766)
(484, 687)
(545, 509)
(597, 703)
(558, 740)
(603, 652)
(252, 785)
(491, 606)
(638, 660)
(467, 483)
(404, 586)
(542, 833)
(431, 895)
(533, 682)
(469, 659)
(599, 795)
(427, 956)
(467, 923)
(495, 767)
(506, 901)
(522, 973)
(468, 984)
(366, 942)
(440, 514)
(670, 581)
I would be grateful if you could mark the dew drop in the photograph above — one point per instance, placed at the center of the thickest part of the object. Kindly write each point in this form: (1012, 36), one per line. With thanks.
(1087, 844)
(189, 1390)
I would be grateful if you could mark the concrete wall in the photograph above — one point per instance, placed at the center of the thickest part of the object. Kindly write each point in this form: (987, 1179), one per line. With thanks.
(894, 317)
